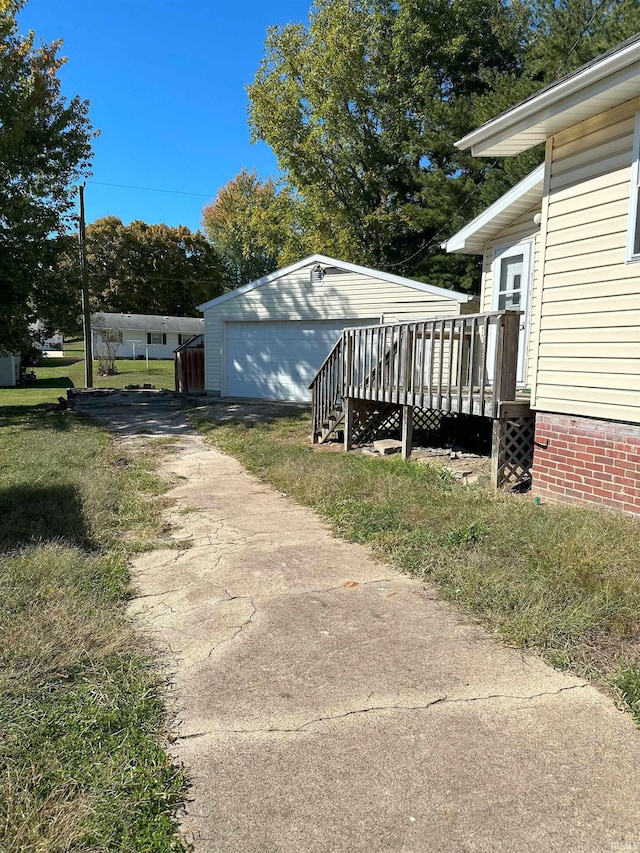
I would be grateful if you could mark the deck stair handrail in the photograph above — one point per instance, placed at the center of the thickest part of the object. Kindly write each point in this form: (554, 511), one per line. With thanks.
(326, 392)
(465, 364)
(382, 364)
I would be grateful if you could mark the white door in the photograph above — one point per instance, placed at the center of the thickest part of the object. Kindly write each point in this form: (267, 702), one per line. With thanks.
(277, 360)
(512, 271)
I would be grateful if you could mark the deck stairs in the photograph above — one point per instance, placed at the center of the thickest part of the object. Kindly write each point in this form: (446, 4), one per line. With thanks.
(369, 421)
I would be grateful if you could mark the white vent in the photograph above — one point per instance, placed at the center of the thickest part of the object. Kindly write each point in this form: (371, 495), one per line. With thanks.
(317, 275)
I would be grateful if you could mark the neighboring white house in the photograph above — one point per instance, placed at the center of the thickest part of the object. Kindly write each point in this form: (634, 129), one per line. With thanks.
(268, 338)
(135, 333)
(564, 247)
(54, 342)
(10, 371)
(50, 346)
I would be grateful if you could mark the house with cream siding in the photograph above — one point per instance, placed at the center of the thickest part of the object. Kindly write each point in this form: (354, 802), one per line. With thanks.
(268, 338)
(563, 247)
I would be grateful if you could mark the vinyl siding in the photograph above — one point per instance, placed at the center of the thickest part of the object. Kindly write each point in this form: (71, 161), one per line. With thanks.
(521, 229)
(587, 322)
(340, 296)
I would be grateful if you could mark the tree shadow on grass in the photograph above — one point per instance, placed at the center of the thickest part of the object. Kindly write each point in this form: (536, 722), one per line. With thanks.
(60, 362)
(54, 382)
(41, 416)
(250, 413)
(40, 514)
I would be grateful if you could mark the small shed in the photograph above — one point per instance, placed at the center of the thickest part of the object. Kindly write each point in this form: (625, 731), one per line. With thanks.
(189, 366)
(10, 371)
(268, 338)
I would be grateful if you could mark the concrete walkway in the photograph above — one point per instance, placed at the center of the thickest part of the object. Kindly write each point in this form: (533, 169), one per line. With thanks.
(327, 703)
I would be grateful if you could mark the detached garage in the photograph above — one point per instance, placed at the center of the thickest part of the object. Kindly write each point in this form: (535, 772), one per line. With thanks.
(267, 339)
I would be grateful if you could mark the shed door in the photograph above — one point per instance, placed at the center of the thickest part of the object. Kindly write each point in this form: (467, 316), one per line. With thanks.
(277, 360)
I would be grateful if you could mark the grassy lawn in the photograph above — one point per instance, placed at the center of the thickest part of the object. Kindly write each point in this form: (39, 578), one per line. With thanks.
(560, 580)
(81, 709)
(58, 374)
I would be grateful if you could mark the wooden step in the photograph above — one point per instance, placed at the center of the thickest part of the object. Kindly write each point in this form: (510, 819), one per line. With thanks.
(329, 426)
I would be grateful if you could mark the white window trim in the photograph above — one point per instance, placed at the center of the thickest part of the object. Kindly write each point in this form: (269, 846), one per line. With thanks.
(505, 250)
(634, 186)
(526, 247)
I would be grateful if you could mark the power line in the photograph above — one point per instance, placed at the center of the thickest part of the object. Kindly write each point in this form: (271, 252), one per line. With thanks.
(151, 189)
(563, 65)
(445, 227)
(138, 279)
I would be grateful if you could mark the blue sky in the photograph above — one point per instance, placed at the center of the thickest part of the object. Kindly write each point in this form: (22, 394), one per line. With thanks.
(166, 80)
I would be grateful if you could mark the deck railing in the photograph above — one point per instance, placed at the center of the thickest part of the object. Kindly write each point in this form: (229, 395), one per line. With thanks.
(455, 364)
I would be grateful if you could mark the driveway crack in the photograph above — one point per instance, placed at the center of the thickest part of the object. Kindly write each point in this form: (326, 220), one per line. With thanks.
(440, 700)
(239, 628)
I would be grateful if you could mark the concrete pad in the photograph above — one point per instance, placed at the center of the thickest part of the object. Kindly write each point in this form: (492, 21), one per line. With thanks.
(386, 446)
(469, 776)
(329, 703)
(325, 702)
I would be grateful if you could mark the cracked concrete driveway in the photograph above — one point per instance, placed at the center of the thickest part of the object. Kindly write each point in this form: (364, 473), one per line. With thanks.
(327, 703)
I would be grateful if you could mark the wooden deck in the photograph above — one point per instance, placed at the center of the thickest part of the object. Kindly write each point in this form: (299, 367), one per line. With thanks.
(457, 365)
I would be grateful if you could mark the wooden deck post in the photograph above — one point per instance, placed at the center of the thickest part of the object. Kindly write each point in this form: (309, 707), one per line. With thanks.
(498, 427)
(348, 422)
(407, 431)
(506, 364)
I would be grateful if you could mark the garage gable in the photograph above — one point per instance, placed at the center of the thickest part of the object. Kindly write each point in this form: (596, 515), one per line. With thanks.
(321, 265)
(268, 338)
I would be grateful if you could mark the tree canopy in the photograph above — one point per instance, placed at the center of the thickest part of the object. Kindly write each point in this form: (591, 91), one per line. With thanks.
(45, 148)
(252, 226)
(150, 269)
(362, 107)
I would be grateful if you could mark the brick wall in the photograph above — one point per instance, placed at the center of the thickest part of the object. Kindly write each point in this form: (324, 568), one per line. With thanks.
(587, 461)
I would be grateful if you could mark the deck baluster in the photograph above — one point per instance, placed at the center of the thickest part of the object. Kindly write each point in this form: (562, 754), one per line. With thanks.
(456, 364)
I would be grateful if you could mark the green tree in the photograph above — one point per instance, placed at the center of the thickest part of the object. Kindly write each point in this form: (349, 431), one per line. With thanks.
(565, 34)
(254, 226)
(45, 148)
(362, 108)
(150, 269)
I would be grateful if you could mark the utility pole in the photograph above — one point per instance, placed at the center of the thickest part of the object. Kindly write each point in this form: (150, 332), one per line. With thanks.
(86, 315)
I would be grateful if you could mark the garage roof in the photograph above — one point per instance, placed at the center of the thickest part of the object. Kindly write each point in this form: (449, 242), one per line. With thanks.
(325, 261)
(518, 200)
(603, 83)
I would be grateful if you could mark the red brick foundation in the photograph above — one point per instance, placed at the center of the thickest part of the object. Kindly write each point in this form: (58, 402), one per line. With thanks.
(587, 461)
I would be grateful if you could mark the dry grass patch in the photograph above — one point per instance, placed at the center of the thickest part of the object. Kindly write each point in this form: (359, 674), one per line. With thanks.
(83, 766)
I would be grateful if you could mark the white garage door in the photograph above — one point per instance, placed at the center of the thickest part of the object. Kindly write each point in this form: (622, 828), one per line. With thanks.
(278, 360)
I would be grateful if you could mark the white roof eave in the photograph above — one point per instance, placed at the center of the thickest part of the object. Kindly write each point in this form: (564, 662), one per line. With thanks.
(523, 196)
(586, 93)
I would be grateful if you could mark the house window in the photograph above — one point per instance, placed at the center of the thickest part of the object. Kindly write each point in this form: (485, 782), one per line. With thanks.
(179, 339)
(633, 235)
(156, 338)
